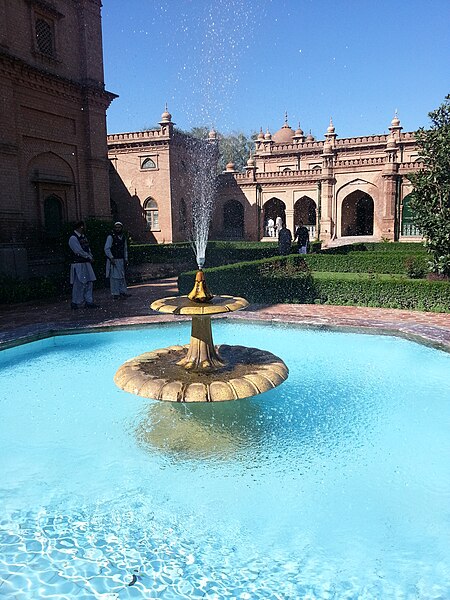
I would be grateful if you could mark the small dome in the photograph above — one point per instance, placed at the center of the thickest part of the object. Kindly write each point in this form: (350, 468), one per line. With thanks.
(251, 162)
(268, 135)
(310, 137)
(395, 121)
(166, 117)
(260, 134)
(212, 135)
(330, 128)
(298, 131)
(391, 143)
(230, 166)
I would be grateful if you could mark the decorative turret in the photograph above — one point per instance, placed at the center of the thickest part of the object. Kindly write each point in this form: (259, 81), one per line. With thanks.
(395, 127)
(391, 148)
(251, 167)
(268, 136)
(299, 136)
(330, 135)
(212, 135)
(310, 137)
(230, 167)
(166, 122)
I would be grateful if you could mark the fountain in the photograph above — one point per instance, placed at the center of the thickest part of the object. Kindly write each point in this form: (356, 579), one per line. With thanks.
(201, 371)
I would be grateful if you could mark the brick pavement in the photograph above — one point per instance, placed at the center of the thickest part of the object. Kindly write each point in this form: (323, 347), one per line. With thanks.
(37, 319)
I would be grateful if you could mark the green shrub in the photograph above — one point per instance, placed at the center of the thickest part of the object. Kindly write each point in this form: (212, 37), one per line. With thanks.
(416, 267)
(367, 262)
(289, 280)
(411, 247)
(258, 281)
(217, 253)
(14, 290)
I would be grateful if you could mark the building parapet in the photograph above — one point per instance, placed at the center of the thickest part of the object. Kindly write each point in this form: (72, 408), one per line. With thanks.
(134, 135)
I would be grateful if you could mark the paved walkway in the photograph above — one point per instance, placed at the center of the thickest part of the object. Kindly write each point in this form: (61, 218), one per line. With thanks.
(21, 321)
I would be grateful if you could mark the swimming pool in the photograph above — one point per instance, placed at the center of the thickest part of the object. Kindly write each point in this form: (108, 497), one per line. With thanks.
(334, 485)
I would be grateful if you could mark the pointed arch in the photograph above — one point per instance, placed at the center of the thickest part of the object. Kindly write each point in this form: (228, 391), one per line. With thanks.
(357, 214)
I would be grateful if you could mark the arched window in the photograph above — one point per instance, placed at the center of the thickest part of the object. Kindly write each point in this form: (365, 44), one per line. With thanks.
(151, 214)
(53, 215)
(148, 163)
(44, 37)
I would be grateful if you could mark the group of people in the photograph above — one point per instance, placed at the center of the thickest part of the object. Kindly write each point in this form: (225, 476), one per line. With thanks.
(82, 274)
(285, 239)
(273, 228)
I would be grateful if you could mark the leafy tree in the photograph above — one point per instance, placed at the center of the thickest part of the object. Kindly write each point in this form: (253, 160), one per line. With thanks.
(430, 199)
(234, 147)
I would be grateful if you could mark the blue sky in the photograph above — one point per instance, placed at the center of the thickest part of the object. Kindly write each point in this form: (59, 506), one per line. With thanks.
(238, 65)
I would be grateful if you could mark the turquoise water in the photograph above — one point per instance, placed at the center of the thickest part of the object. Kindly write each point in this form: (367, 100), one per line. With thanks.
(336, 485)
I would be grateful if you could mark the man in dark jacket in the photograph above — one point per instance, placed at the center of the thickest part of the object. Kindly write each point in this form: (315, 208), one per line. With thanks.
(302, 235)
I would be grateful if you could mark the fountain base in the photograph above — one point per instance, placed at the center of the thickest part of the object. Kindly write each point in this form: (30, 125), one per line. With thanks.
(159, 375)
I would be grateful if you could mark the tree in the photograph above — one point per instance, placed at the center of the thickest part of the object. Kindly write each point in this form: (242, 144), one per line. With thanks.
(234, 147)
(430, 199)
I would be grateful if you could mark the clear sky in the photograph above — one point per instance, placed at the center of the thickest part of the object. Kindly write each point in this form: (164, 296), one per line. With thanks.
(238, 65)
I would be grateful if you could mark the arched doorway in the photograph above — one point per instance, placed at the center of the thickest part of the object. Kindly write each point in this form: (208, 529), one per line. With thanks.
(274, 208)
(53, 216)
(305, 211)
(408, 227)
(233, 219)
(357, 214)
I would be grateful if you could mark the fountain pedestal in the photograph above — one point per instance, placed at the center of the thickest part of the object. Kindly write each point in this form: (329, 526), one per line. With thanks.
(201, 372)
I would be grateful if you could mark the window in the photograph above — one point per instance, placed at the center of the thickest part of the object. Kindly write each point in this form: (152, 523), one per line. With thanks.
(151, 214)
(148, 163)
(44, 37)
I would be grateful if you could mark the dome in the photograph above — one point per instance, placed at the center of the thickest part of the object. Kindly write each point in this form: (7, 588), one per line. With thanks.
(310, 137)
(212, 135)
(166, 117)
(260, 134)
(284, 135)
(251, 162)
(330, 128)
(268, 135)
(395, 121)
(298, 131)
(230, 166)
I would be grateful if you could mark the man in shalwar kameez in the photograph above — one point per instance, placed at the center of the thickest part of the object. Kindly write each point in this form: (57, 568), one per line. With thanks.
(82, 275)
(116, 251)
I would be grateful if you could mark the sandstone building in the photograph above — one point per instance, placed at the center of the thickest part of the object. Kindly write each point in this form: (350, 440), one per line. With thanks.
(53, 153)
(343, 190)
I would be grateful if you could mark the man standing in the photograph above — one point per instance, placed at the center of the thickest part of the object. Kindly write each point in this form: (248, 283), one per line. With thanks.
(82, 275)
(116, 251)
(284, 241)
(271, 227)
(302, 235)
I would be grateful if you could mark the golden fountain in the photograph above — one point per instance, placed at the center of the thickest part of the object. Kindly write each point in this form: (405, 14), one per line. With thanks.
(200, 371)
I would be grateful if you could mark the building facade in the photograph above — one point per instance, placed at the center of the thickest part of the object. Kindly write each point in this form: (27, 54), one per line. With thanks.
(154, 176)
(53, 153)
(343, 190)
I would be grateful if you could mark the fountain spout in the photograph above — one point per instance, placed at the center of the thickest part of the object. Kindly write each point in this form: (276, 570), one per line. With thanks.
(200, 291)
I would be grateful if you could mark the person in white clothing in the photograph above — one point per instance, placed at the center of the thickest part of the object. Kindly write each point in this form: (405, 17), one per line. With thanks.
(82, 275)
(270, 228)
(116, 251)
(278, 225)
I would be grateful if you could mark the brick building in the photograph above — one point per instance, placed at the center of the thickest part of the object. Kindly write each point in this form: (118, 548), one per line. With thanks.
(343, 190)
(154, 175)
(53, 152)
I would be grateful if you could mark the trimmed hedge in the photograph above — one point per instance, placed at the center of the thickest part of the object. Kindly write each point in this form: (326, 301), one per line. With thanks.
(217, 253)
(411, 247)
(369, 262)
(288, 280)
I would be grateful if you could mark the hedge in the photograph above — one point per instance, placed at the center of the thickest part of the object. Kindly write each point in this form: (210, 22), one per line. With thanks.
(411, 247)
(288, 280)
(217, 253)
(369, 262)
(14, 290)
